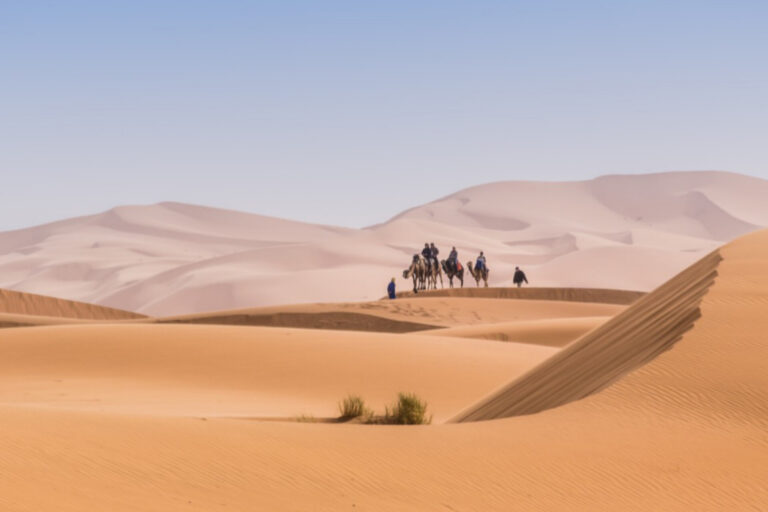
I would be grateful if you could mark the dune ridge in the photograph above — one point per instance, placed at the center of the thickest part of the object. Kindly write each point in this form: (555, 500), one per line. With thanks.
(601, 295)
(41, 305)
(634, 337)
(334, 320)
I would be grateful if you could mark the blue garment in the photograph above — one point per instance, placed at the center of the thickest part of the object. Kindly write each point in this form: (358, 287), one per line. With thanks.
(391, 290)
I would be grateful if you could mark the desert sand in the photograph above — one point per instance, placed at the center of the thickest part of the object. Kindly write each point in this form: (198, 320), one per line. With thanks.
(662, 406)
(174, 259)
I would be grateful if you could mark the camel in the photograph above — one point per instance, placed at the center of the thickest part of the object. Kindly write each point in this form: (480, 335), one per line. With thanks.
(417, 271)
(478, 274)
(432, 274)
(452, 273)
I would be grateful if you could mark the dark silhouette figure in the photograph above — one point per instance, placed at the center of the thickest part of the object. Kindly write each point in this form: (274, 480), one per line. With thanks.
(519, 277)
(391, 289)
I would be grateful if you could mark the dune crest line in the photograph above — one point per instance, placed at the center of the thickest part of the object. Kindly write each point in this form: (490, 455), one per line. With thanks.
(23, 303)
(631, 339)
(560, 294)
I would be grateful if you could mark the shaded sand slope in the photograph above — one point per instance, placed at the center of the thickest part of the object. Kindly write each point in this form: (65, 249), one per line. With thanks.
(600, 295)
(552, 332)
(17, 320)
(32, 304)
(401, 315)
(194, 370)
(620, 345)
(687, 431)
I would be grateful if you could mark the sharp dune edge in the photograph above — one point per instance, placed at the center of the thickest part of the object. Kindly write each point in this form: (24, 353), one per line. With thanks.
(625, 342)
(687, 430)
(601, 295)
(41, 305)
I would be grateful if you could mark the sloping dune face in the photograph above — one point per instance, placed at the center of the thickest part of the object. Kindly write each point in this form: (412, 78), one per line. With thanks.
(623, 232)
(625, 342)
(40, 305)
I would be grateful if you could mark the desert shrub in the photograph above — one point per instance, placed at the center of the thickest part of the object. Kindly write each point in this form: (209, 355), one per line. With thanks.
(408, 410)
(306, 418)
(353, 406)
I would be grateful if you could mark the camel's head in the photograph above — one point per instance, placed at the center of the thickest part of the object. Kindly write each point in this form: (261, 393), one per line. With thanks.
(405, 274)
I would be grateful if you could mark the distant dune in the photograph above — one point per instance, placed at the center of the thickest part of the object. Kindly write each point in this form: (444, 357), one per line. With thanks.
(624, 232)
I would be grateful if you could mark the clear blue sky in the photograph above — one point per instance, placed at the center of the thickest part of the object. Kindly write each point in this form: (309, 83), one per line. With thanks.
(347, 112)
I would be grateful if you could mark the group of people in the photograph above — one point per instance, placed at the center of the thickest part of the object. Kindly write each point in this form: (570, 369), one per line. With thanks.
(430, 254)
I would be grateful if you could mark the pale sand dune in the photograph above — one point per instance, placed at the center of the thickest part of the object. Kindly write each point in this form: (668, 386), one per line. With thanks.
(244, 371)
(686, 431)
(550, 332)
(40, 305)
(625, 232)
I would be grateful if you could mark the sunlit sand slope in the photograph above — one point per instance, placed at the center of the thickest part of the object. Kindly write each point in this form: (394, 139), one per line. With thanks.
(201, 370)
(32, 304)
(551, 332)
(646, 329)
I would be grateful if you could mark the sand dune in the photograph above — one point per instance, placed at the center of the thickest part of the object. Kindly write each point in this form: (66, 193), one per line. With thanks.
(401, 315)
(684, 431)
(624, 232)
(550, 332)
(40, 305)
(207, 371)
(602, 296)
(630, 339)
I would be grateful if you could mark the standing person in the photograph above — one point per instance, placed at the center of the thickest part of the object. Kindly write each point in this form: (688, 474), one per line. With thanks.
(453, 259)
(391, 289)
(519, 277)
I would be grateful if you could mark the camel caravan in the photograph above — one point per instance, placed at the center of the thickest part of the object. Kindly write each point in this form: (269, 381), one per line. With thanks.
(427, 269)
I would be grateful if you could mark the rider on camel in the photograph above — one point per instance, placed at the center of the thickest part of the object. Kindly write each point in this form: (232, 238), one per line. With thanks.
(434, 251)
(480, 263)
(453, 259)
(426, 252)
